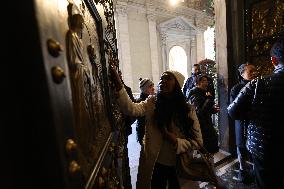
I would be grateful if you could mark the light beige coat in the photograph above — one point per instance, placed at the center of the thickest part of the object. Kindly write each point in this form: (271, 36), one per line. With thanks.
(153, 138)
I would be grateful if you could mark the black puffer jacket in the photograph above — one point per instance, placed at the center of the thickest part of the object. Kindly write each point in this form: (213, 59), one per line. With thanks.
(262, 102)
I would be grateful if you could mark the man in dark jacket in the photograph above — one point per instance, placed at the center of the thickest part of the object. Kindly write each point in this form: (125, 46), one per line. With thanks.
(260, 101)
(205, 107)
(191, 82)
(247, 72)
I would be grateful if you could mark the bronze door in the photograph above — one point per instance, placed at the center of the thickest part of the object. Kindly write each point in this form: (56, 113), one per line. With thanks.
(264, 23)
(73, 134)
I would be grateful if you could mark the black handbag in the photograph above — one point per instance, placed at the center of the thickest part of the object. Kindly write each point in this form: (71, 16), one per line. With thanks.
(196, 167)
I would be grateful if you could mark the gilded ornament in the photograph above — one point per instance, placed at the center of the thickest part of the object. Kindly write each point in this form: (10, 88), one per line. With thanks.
(74, 167)
(54, 47)
(58, 74)
(71, 146)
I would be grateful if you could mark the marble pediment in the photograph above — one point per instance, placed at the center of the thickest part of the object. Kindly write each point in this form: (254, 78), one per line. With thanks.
(177, 26)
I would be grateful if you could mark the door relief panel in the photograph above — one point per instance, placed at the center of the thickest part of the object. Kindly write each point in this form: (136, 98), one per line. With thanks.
(264, 24)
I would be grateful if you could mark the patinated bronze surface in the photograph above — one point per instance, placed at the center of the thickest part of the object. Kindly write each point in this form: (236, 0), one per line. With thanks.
(92, 122)
(91, 46)
(264, 24)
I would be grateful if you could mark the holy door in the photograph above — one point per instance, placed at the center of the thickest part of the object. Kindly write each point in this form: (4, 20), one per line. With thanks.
(73, 129)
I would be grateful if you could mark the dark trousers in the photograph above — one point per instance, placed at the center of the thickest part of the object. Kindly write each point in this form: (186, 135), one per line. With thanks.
(269, 173)
(243, 155)
(164, 175)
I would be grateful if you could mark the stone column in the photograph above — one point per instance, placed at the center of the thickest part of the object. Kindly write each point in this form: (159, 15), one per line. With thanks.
(164, 51)
(153, 47)
(188, 56)
(193, 54)
(200, 46)
(124, 43)
(222, 70)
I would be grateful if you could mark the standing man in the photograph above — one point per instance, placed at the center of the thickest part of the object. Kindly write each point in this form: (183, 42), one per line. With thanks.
(205, 107)
(191, 82)
(260, 101)
(247, 72)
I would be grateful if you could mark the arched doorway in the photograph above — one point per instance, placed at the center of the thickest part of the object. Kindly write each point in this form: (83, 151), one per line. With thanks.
(178, 60)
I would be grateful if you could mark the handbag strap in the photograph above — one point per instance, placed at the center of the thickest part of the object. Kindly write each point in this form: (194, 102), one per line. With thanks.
(206, 155)
(200, 148)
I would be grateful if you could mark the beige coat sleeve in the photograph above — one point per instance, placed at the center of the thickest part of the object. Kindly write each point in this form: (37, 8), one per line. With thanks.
(134, 109)
(196, 127)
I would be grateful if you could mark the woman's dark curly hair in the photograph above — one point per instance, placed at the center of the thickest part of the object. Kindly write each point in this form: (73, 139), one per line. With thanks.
(174, 108)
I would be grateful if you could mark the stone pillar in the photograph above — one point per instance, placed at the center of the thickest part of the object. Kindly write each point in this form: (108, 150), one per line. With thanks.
(164, 51)
(124, 44)
(188, 55)
(200, 46)
(193, 52)
(222, 70)
(153, 47)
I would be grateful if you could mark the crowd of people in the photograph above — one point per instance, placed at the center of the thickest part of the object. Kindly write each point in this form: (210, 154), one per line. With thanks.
(179, 116)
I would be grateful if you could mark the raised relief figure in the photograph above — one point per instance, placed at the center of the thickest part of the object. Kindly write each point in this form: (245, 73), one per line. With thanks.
(81, 87)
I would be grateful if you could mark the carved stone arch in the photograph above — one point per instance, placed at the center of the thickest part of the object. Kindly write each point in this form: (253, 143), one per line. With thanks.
(179, 31)
(180, 44)
(179, 62)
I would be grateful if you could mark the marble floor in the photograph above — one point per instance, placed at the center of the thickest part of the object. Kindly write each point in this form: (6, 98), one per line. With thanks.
(226, 172)
(226, 166)
(133, 154)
